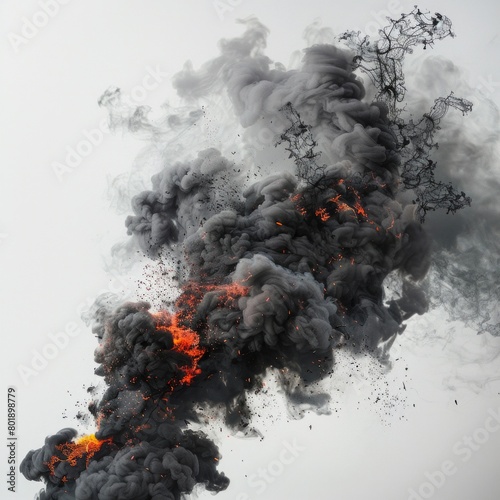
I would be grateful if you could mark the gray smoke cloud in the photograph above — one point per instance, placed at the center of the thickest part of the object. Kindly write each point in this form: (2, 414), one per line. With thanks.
(273, 274)
(465, 274)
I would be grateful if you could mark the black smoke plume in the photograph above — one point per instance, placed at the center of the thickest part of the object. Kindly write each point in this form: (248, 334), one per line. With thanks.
(274, 275)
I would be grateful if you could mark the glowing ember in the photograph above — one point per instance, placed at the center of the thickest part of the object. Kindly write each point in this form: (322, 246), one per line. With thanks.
(322, 214)
(86, 446)
(341, 204)
(360, 210)
(193, 293)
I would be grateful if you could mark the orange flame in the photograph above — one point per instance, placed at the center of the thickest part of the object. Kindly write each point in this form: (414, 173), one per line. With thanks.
(86, 446)
(186, 340)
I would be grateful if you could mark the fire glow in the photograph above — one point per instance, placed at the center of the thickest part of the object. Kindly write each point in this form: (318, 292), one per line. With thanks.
(185, 340)
(335, 204)
(71, 453)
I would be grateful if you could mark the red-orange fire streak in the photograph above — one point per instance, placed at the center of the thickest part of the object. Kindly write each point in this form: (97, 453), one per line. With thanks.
(186, 340)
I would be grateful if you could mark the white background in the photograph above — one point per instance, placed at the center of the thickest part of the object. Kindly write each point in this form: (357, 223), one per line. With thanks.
(56, 234)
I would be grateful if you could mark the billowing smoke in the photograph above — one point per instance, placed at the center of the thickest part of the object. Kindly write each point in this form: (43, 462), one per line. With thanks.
(273, 275)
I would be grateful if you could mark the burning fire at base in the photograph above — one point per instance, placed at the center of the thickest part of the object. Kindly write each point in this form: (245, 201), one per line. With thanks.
(76, 453)
(278, 275)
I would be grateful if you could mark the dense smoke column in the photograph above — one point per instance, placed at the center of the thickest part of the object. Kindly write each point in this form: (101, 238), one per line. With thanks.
(276, 275)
